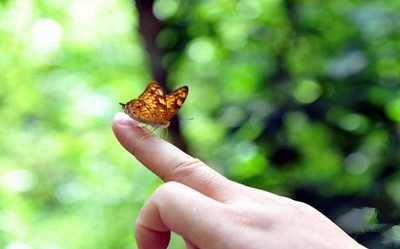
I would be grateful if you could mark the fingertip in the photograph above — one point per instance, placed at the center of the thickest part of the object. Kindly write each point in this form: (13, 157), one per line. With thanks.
(121, 119)
(123, 125)
(127, 130)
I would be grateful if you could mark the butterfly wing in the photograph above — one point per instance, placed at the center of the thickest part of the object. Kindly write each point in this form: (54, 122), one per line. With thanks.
(174, 102)
(150, 107)
(153, 107)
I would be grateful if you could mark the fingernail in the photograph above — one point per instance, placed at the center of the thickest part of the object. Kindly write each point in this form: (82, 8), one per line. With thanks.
(122, 119)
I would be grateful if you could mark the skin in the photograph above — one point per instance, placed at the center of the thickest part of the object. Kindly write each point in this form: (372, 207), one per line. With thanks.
(210, 211)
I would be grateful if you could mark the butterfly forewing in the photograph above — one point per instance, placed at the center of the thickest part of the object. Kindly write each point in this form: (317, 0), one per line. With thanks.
(153, 95)
(153, 107)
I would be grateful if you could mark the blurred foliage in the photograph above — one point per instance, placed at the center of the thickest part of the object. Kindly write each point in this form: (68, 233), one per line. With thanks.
(300, 98)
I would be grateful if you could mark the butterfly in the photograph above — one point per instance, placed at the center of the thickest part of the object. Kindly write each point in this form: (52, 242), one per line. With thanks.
(155, 108)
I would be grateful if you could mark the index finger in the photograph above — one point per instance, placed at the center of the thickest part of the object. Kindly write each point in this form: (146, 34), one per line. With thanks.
(166, 160)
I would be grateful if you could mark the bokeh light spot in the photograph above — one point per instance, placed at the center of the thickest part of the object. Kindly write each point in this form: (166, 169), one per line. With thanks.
(249, 9)
(18, 180)
(354, 122)
(356, 163)
(47, 34)
(201, 50)
(392, 109)
(164, 9)
(307, 91)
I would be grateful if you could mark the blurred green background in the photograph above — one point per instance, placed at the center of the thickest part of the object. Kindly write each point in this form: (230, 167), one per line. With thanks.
(300, 98)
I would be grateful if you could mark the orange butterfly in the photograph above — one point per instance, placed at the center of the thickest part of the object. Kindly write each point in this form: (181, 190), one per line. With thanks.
(154, 108)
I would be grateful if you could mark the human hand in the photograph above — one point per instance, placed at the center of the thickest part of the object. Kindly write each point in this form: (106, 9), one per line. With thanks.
(210, 211)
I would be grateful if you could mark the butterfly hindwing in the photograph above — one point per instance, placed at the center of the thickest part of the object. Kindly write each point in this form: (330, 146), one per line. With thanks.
(175, 101)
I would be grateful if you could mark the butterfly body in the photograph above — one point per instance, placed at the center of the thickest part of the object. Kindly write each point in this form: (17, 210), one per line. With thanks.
(155, 108)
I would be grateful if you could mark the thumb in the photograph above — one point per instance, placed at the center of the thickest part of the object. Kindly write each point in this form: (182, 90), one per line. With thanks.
(167, 210)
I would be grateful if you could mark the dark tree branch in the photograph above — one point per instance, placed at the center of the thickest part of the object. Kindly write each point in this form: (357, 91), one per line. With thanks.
(149, 28)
